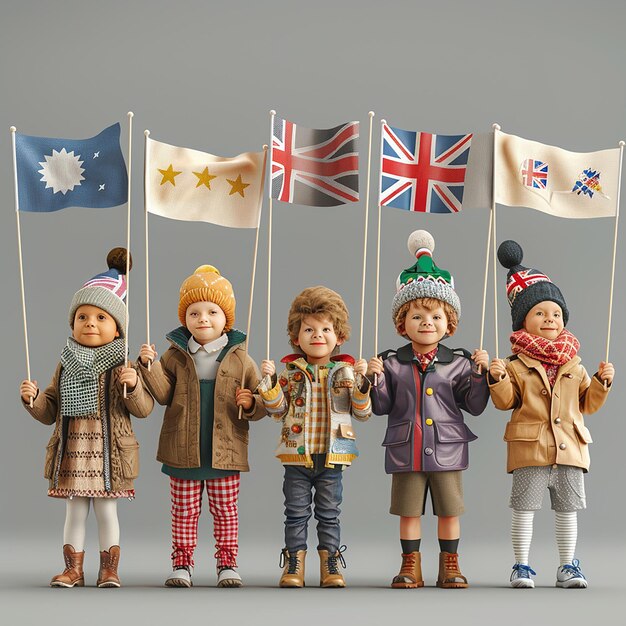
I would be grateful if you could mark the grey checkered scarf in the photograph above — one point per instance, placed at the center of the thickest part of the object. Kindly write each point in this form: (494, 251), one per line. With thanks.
(81, 369)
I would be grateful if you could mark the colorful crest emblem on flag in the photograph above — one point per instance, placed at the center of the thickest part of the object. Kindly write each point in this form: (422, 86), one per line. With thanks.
(315, 167)
(588, 183)
(534, 174)
(423, 172)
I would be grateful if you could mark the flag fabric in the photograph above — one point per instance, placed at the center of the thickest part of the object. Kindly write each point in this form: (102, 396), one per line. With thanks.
(315, 167)
(53, 174)
(434, 173)
(556, 181)
(186, 184)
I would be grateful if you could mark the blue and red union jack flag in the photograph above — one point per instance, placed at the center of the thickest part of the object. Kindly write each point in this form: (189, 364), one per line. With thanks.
(423, 172)
(522, 279)
(315, 167)
(534, 173)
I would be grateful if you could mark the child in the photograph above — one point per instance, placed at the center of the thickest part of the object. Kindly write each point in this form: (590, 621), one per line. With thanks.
(92, 456)
(422, 387)
(548, 390)
(314, 397)
(202, 442)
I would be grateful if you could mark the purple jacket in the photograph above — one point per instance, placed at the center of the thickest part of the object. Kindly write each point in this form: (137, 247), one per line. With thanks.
(425, 429)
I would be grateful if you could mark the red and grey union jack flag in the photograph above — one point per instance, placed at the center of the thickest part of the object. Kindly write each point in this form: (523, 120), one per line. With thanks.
(315, 167)
(534, 173)
(423, 172)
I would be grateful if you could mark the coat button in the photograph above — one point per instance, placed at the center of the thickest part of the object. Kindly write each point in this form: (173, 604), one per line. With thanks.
(429, 391)
(218, 426)
(296, 428)
(299, 402)
(544, 392)
(429, 422)
(562, 446)
(220, 398)
(557, 420)
(428, 451)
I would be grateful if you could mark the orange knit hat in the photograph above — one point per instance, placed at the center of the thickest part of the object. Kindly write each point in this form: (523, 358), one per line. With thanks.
(206, 284)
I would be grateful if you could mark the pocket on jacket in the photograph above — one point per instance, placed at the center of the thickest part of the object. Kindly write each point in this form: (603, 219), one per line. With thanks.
(520, 431)
(453, 433)
(583, 433)
(128, 448)
(452, 439)
(51, 455)
(397, 445)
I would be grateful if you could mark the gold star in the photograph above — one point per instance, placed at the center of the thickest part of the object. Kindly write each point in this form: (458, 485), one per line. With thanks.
(237, 186)
(204, 178)
(169, 175)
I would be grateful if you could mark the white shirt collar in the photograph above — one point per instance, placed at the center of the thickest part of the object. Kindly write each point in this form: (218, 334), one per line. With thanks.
(213, 346)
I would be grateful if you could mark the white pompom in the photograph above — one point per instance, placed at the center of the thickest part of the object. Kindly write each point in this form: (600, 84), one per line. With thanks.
(420, 239)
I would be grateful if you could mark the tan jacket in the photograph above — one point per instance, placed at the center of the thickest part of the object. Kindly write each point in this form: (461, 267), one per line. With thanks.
(547, 424)
(123, 445)
(173, 382)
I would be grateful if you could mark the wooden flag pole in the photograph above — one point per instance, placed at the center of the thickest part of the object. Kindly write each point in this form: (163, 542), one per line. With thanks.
(130, 160)
(487, 253)
(496, 128)
(145, 210)
(619, 188)
(256, 249)
(269, 241)
(367, 199)
(19, 253)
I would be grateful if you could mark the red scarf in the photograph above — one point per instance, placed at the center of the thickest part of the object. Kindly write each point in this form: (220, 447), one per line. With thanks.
(552, 354)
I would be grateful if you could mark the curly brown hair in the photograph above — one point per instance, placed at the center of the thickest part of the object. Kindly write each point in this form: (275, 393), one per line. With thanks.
(427, 303)
(319, 302)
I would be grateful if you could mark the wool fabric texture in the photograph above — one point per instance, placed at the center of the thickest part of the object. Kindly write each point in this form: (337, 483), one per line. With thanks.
(206, 284)
(554, 352)
(81, 370)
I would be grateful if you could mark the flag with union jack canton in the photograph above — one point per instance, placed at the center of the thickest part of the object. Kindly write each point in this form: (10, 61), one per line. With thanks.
(423, 172)
(315, 167)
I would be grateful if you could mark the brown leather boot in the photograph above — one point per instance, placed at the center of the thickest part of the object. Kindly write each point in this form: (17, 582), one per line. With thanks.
(330, 576)
(450, 576)
(109, 560)
(410, 575)
(293, 572)
(72, 575)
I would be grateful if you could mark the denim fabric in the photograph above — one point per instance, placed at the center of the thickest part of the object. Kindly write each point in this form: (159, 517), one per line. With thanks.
(298, 487)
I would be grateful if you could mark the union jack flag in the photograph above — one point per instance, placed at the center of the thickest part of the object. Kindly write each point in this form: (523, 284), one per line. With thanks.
(423, 172)
(534, 173)
(315, 167)
(111, 280)
(522, 279)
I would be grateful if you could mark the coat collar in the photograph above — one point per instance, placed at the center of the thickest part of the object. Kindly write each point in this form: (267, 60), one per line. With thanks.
(180, 337)
(444, 354)
(531, 363)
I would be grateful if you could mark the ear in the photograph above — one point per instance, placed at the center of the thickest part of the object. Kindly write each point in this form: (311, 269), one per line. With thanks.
(117, 333)
(451, 330)
(340, 341)
(295, 342)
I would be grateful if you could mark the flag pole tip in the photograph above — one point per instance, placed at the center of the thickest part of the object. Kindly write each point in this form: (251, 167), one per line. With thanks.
(146, 133)
(130, 114)
(383, 122)
(13, 129)
(265, 146)
(371, 113)
(272, 112)
(621, 144)
(496, 126)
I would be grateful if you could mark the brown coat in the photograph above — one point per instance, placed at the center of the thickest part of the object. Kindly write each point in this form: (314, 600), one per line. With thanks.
(547, 424)
(123, 445)
(173, 382)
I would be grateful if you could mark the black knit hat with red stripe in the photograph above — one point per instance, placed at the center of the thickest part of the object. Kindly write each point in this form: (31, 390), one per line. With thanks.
(526, 287)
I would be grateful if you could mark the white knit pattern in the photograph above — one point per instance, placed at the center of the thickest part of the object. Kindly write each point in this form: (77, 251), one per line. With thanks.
(522, 534)
(566, 526)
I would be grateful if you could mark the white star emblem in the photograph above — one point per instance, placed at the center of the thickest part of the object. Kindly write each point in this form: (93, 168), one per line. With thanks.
(96, 154)
(101, 187)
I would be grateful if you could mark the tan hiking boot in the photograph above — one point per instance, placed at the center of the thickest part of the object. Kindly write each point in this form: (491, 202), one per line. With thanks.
(450, 576)
(72, 575)
(293, 572)
(330, 576)
(109, 561)
(410, 575)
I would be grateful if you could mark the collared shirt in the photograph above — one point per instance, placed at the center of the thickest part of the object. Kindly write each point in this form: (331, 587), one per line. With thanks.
(424, 360)
(317, 429)
(205, 356)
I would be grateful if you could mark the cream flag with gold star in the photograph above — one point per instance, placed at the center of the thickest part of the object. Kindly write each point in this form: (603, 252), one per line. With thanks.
(185, 184)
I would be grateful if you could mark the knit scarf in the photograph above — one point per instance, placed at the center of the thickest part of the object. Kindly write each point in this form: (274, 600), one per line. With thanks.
(551, 353)
(81, 369)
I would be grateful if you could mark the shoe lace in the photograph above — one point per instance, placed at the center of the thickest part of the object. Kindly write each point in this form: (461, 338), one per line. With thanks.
(408, 564)
(524, 571)
(225, 557)
(292, 560)
(574, 568)
(451, 562)
(333, 568)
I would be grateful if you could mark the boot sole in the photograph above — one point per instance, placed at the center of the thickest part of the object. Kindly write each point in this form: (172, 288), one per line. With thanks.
(407, 585)
(108, 585)
(291, 586)
(333, 586)
(452, 585)
(177, 582)
(58, 585)
(233, 584)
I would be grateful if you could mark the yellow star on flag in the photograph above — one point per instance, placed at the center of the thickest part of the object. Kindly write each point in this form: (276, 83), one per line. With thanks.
(237, 186)
(169, 175)
(204, 178)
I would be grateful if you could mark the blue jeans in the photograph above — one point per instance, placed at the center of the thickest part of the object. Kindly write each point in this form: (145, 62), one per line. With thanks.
(298, 485)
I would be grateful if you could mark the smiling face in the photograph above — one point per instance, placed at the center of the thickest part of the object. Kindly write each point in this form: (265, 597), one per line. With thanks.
(93, 327)
(317, 339)
(544, 320)
(205, 321)
(425, 326)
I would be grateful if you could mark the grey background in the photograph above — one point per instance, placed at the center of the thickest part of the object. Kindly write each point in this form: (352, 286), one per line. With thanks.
(204, 75)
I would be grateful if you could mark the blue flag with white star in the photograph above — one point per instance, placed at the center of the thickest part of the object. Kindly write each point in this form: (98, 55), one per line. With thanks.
(53, 174)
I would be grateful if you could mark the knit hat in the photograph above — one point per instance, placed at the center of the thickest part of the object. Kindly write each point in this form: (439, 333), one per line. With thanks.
(526, 287)
(206, 284)
(107, 291)
(424, 279)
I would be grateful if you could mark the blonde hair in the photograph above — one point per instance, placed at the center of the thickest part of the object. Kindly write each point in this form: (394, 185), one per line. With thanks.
(318, 302)
(427, 303)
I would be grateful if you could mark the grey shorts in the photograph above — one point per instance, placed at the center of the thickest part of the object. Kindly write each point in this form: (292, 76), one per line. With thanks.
(409, 491)
(565, 483)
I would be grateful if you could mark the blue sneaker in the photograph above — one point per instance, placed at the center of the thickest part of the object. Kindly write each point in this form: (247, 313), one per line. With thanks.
(521, 576)
(569, 576)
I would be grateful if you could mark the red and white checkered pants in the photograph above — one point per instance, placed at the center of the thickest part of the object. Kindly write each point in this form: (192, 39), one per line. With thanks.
(186, 506)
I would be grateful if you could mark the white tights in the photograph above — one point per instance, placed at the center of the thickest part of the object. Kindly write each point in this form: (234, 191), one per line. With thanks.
(76, 513)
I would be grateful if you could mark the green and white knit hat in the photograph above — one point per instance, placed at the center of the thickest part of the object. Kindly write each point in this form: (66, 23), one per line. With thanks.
(107, 291)
(424, 279)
